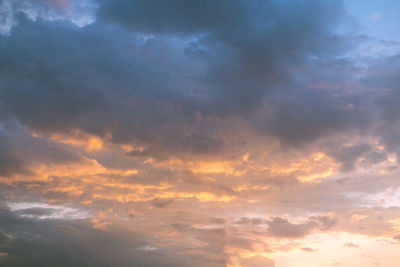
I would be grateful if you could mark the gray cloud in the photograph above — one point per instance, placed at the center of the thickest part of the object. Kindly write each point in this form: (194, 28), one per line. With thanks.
(187, 83)
(75, 243)
(161, 203)
(351, 245)
(10, 163)
(283, 228)
(68, 71)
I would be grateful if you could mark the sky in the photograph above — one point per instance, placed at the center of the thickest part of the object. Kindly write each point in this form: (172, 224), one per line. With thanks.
(237, 133)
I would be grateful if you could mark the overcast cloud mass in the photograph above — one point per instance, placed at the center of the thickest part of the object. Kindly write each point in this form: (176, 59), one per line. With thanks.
(238, 133)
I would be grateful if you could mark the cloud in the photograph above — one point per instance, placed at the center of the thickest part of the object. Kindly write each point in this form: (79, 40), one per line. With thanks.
(348, 155)
(351, 245)
(161, 203)
(43, 211)
(78, 12)
(64, 89)
(257, 261)
(281, 227)
(10, 163)
(397, 237)
(307, 249)
(52, 242)
(376, 16)
(216, 130)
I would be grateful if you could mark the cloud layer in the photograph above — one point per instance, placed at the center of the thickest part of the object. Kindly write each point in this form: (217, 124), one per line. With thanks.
(202, 133)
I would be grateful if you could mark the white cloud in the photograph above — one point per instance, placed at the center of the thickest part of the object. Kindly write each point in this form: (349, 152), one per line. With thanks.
(147, 248)
(376, 16)
(45, 211)
(80, 13)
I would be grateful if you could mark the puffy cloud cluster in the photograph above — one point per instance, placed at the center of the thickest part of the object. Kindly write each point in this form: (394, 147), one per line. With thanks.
(204, 133)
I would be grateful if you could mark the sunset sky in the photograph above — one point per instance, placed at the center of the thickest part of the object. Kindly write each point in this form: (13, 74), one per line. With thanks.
(207, 133)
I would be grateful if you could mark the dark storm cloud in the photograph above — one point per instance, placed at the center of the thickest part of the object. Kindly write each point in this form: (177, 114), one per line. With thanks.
(348, 155)
(261, 31)
(384, 76)
(18, 150)
(72, 86)
(174, 59)
(98, 80)
(186, 96)
(10, 163)
(75, 243)
(304, 116)
(249, 45)
(197, 143)
(215, 238)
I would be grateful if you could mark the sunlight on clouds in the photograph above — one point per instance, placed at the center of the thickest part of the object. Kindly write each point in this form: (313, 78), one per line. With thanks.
(200, 196)
(309, 169)
(215, 167)
(251, 188)
(99, 224)
(396, 224)
(89, 167)
(143, 195)
(80, 139)
(333, 249)
(313, 177)
(203, 167)
(199, 133)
